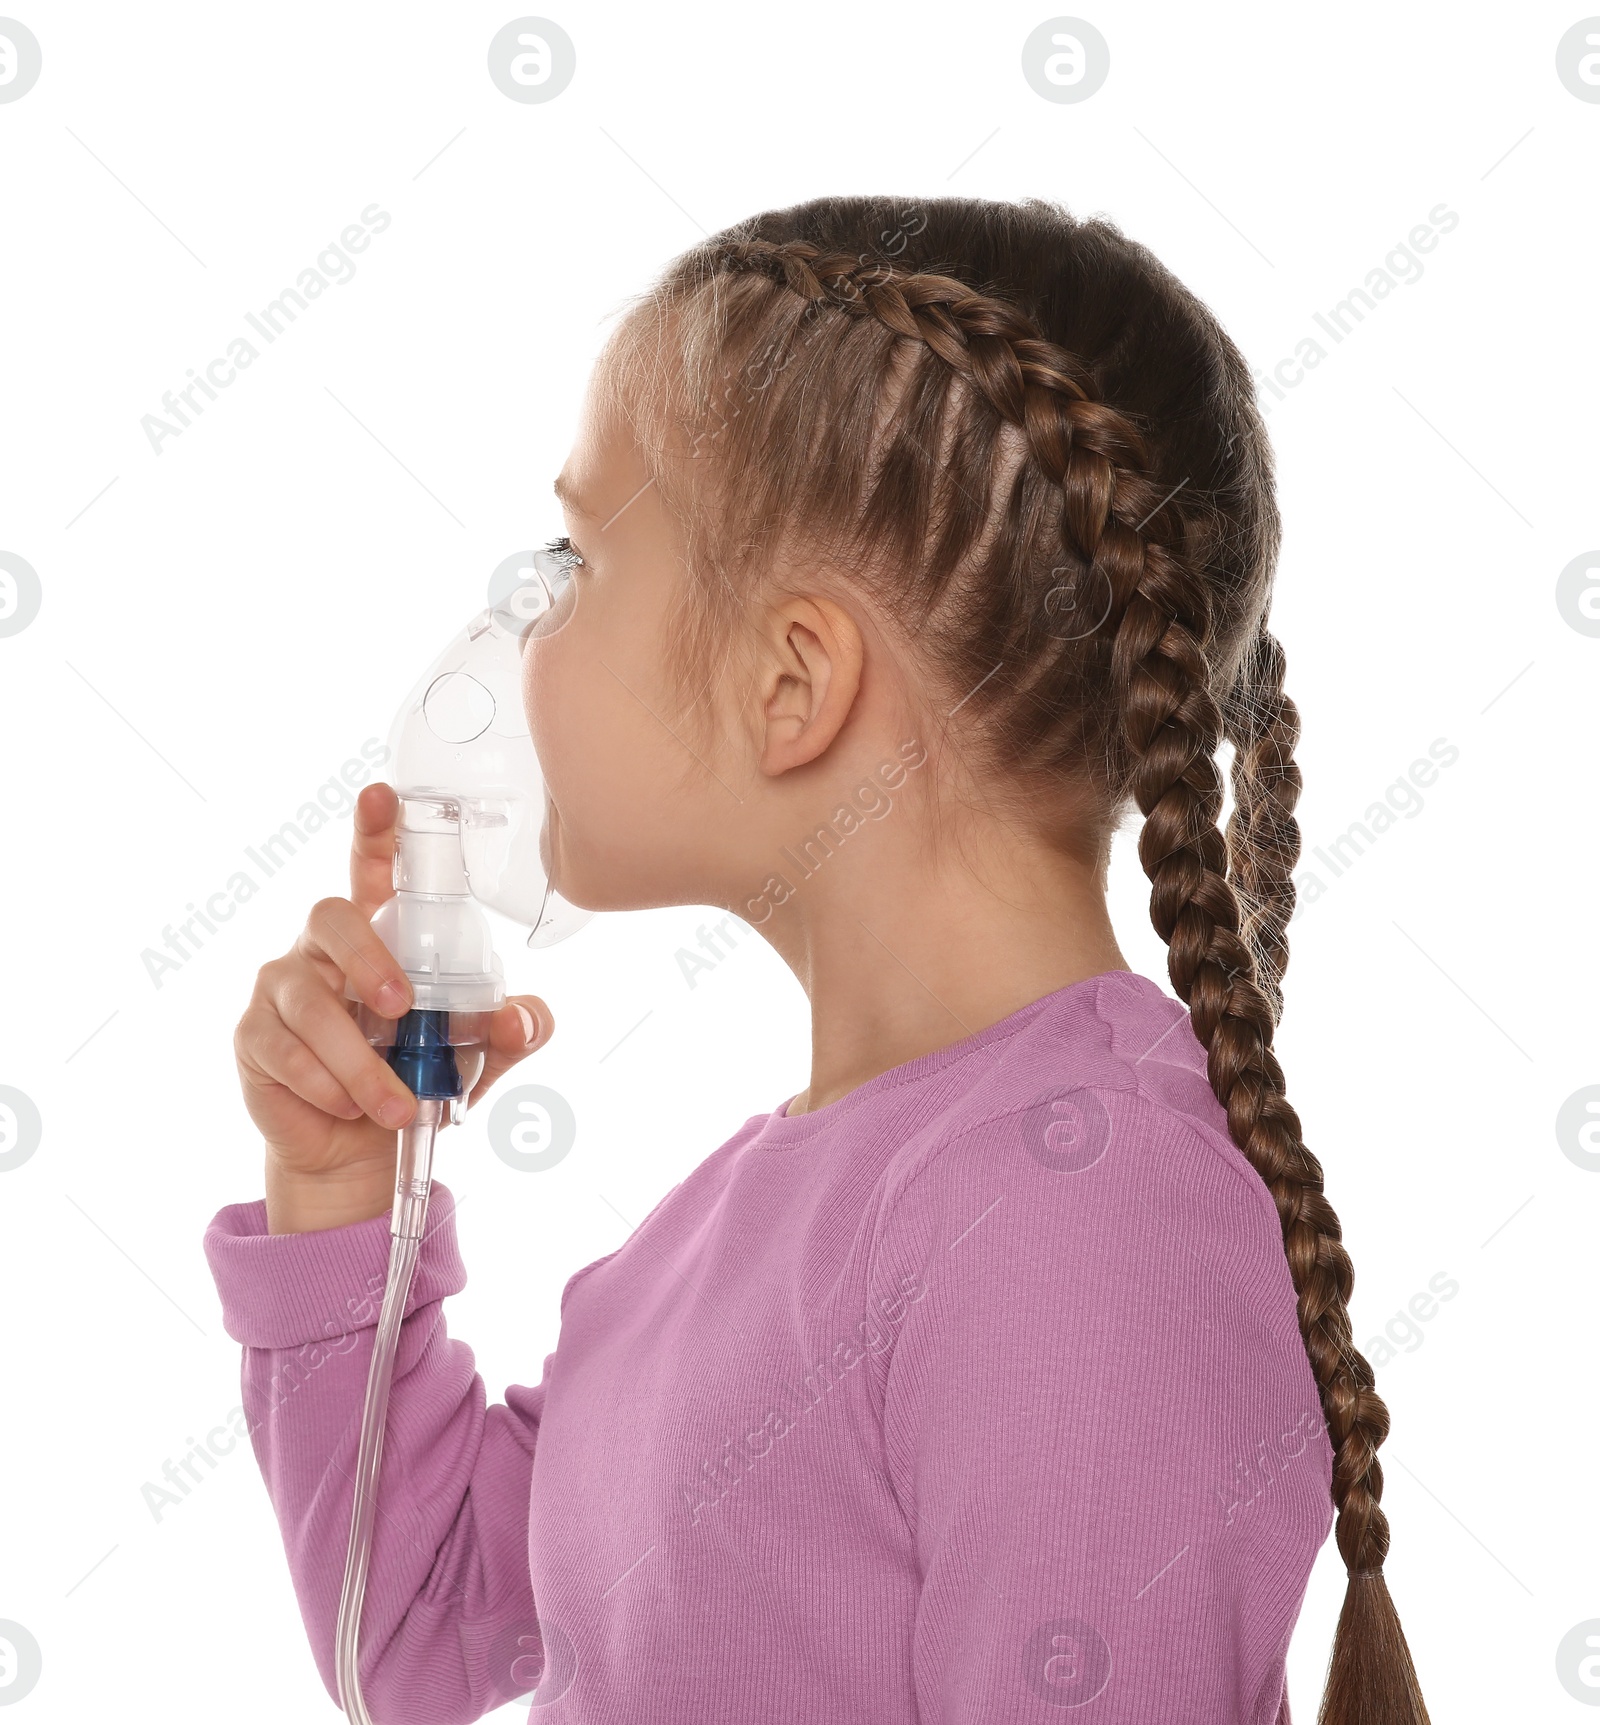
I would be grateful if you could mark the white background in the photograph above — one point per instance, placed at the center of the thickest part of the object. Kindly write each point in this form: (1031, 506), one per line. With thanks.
(223, 625)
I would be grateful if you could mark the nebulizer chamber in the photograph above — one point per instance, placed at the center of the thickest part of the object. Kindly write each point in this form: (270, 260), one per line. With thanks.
(472, 831)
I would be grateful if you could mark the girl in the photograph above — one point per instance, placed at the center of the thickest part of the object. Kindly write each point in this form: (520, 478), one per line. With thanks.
(1005, 1369)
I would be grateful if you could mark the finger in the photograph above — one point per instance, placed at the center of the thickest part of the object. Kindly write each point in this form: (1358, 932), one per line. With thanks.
(276, 1053)
(510, 1040)
(372, 846)
(318, 1018)
(336, 931)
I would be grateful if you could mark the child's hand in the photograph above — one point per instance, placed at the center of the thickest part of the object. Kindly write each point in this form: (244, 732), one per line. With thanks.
(326, 1102)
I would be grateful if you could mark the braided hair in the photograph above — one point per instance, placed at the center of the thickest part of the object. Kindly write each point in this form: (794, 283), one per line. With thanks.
(1042, 454)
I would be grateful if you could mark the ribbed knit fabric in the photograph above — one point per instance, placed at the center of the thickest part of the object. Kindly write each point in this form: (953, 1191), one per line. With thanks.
(975, 1396)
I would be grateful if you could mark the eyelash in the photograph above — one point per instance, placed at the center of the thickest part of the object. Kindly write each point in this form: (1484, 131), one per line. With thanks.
(563, 548)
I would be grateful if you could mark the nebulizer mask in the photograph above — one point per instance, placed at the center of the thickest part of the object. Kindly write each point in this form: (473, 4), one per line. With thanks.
(472, 831)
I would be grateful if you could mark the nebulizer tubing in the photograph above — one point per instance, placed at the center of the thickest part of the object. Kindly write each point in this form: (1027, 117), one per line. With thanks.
(416, 1153)
(471, 830)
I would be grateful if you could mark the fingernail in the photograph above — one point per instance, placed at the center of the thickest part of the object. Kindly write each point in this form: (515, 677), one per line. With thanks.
(392, 997)
(393, 1111)
(529, 1027)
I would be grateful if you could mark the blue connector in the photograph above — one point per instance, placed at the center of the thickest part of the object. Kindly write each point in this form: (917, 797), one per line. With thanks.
(423, 1058)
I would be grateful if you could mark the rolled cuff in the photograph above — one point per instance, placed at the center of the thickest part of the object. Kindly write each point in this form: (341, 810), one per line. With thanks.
(283, 1290)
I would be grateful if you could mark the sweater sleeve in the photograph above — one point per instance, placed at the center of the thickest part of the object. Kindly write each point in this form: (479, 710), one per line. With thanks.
(1099, 1421)
(448, 1627)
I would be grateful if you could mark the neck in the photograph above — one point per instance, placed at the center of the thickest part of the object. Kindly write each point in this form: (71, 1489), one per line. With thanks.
(901, 957)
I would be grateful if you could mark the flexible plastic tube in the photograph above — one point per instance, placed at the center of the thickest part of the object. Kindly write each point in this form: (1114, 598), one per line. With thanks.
(413, 1182)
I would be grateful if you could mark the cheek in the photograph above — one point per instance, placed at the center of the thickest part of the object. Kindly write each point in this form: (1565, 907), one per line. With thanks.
(593, 738)
(540, 668)
(552, 698)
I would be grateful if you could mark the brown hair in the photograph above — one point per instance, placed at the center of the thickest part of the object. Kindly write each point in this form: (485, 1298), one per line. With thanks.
(1041, 455)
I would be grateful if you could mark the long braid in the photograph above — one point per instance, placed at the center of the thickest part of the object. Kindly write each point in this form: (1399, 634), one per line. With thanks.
(1263, 725)
(1116, 521)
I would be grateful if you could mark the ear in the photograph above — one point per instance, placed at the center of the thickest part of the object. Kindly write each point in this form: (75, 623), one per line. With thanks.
(809, 679)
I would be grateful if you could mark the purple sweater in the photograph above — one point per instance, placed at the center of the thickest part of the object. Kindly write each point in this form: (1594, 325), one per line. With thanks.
(975, 1395)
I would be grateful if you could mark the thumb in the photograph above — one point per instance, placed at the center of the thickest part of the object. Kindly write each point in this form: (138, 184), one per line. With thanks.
(519, 1027)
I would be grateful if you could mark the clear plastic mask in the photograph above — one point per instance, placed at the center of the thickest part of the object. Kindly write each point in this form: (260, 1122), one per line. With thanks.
(461, 754)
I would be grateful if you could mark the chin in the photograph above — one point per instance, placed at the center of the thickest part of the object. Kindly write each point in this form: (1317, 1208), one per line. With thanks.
(581, 878)
(603, 875)
(618, 884)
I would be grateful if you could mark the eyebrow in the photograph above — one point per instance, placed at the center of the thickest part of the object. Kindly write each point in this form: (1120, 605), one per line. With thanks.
(567, 494)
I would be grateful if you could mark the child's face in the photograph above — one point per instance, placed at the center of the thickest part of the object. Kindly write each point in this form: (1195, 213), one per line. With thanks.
(619, 835)
(643, 810)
